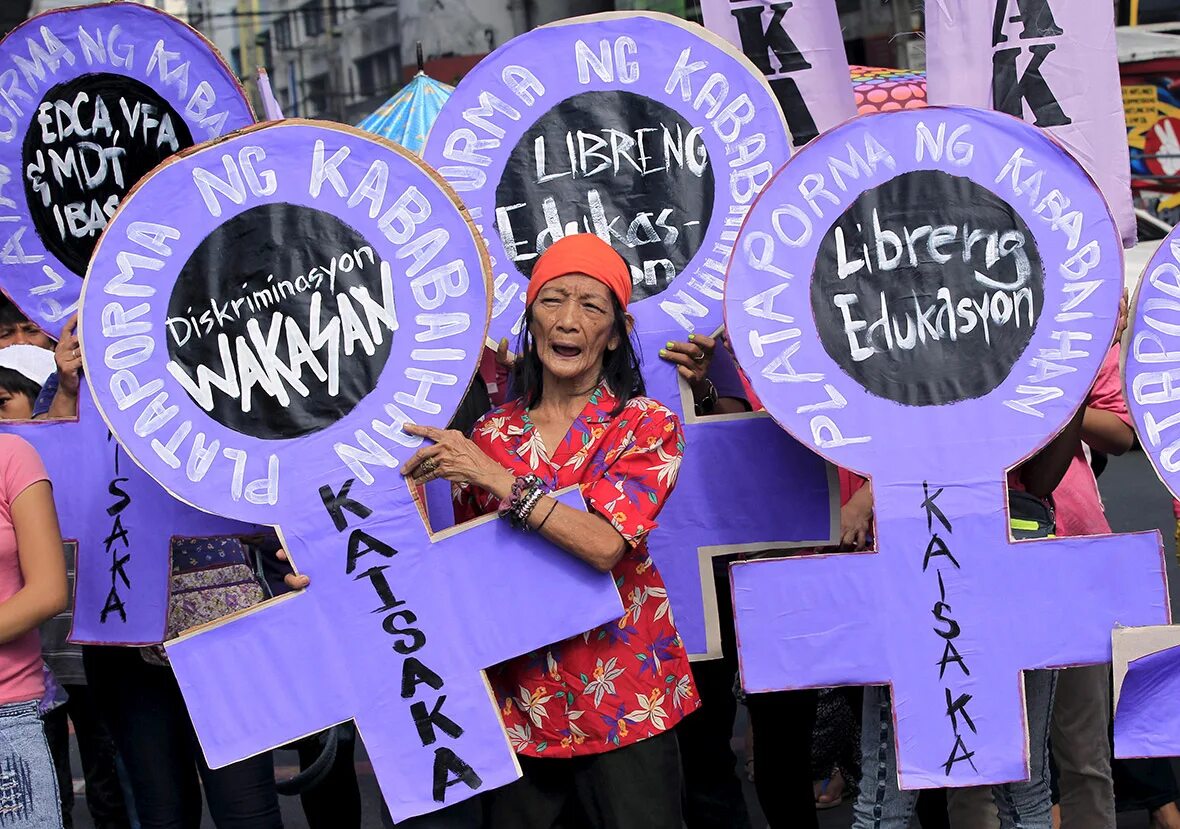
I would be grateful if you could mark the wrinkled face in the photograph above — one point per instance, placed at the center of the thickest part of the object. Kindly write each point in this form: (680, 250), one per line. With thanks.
(15, 406)
(573, 326)
(24, 333)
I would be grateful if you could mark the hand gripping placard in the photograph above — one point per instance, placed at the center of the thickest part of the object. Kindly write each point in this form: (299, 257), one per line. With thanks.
(655, 135)
(925, 297)
(94, 97)
(259, 353)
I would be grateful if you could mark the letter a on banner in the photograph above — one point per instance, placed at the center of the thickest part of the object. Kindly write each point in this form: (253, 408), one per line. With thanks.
(1052, 63)
(799, 47)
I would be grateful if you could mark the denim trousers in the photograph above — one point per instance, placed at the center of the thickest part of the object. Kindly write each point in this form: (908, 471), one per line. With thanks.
(882, 805)
(28, 782)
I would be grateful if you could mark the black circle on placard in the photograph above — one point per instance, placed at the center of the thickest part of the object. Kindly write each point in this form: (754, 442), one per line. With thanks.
(91, 139)
(278, 296)
(613, 163)
(927, 289)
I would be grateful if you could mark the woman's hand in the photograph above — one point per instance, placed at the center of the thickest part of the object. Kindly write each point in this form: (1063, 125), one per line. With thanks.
(505, 359)
(1120, 327)
(68, 356)
(453, 457)
(856, 519)
(692, 360)
(296, 581)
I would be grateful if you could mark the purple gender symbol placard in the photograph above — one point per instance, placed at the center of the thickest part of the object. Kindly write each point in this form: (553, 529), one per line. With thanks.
(656, 135)
(925, 297)
(94, 97)
(1147, 719)
(123, 523)
(315, 290)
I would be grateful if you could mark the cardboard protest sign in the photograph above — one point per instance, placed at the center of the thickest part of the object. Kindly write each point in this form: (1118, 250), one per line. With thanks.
(925, 297)
(316, 290)
(123, 523)
(1146, 667)
(94, 98)
(1051, 62)
(799, 46)
(1146, 713)
(656, 136)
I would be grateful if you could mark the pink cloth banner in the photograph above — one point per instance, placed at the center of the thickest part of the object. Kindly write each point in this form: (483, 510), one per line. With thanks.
(1052, 63)
(799, 47)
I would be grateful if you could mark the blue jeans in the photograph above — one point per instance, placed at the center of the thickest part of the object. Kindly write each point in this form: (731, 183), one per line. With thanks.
(882, 805)
(28, 782)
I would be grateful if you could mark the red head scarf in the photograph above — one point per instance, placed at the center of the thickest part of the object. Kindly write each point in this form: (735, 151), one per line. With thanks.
(582, 253)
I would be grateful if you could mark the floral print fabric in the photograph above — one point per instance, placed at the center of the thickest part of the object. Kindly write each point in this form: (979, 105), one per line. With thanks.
(630, 679)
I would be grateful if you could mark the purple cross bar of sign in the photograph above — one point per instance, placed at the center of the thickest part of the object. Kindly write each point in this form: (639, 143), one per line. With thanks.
(744, 485)
(386, 603)
(123, 522)
(950, 623)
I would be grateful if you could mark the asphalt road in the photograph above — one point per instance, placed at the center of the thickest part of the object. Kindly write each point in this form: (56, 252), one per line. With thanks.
(1135, 500)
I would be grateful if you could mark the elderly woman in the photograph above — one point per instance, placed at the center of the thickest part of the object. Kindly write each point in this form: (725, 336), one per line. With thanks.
(591, 716)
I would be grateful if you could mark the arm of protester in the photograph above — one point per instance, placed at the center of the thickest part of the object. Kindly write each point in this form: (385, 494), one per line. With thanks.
(458, 459)
(694, 359)
(1106, 431)
(296, 581)
(42, 563)
(1041, 473)
(1107, 423)
(68, 356)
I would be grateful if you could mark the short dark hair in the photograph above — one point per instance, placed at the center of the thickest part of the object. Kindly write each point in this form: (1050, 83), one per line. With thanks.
(14, 382)
(9, 313)
(620, 366)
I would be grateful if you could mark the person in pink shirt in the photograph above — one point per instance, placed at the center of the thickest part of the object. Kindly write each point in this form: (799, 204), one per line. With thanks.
(32, 590)
(1081, 711)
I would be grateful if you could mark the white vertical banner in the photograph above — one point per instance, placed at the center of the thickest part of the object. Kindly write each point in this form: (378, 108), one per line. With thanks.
(798, 46)
(1053, 63)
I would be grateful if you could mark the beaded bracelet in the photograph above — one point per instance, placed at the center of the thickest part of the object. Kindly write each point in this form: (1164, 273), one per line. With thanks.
(527, 491)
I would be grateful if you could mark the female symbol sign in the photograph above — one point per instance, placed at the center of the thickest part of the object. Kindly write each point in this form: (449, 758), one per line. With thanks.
(94, 98)
(655, 135)
(925, 297)
(257, 349)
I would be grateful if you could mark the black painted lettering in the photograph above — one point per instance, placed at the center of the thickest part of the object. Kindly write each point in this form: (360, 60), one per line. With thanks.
(957, 707)
(113, 605)
(1036, 15)
(120, 493)
(951, 655)
(376, 575)
(800, 121)
(959, 754)
(952, 627)
(371, 544)
(417, 639)
(449, 770)
(414, 673)
(931, 508)
(1010, 89)
(937, 547)
(427, 721)
(118, 533)
(336, 503)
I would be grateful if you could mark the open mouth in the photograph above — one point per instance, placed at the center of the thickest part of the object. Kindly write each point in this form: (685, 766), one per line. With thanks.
(566, 350)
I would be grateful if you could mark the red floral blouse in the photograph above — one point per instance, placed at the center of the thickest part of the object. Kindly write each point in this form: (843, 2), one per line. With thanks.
(628, 680)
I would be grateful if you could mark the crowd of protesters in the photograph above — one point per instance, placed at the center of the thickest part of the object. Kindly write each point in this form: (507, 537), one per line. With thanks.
(602, 741)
